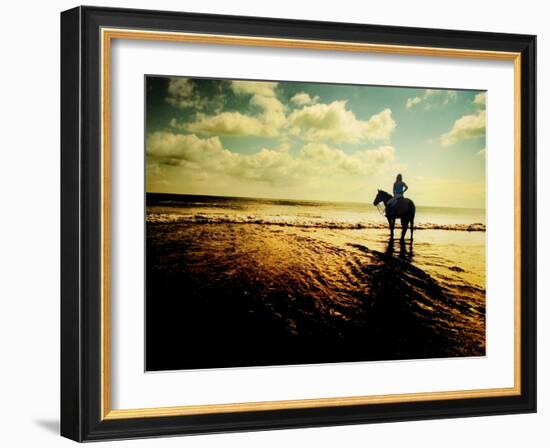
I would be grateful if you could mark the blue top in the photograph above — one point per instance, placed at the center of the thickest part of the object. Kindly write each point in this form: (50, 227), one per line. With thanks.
(398, 188)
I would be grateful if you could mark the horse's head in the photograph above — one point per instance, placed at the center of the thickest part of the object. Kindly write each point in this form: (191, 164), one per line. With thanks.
(379, 198)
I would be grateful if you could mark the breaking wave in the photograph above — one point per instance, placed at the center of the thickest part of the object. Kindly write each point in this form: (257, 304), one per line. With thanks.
(298, 221)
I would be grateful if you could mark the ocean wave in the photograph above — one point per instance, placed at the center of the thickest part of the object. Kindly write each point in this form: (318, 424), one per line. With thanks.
(298, 221)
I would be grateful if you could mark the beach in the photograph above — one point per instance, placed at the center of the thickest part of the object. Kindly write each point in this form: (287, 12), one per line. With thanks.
(234, 282)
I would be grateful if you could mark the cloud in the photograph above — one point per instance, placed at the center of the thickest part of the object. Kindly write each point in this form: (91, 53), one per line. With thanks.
(182, 93)
(192, 154)
(265, 124)
(177, 149)
(411, 102)
(466, 127)
(333, 122)
(275, 166)
(479, 99)
(322, 157)
(449, 97)
(302, 99)
(262, 88)
(312, 122)
(431, 98)
(226, 123)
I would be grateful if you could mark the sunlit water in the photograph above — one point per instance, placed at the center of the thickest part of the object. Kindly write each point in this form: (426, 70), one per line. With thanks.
(211, 209)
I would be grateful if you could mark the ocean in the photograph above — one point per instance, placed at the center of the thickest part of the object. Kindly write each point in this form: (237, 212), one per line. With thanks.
(285, 212)
(234, 282)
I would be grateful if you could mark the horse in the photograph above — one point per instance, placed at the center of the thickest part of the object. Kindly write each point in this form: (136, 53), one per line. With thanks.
(403, 209)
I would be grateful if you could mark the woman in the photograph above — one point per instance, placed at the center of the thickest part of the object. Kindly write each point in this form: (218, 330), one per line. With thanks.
(399, 188)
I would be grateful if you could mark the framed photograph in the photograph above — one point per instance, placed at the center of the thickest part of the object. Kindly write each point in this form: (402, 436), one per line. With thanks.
(273, 223)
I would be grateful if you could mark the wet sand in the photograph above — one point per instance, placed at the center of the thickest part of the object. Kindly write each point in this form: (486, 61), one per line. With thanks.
(228, 294)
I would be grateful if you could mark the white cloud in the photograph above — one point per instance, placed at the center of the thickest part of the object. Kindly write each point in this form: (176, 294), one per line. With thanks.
(411, 102)
(263, 88)
(226, 123)
(193, 154)
(313, 122)
(324, 157)
(177, 149)
(333, 122)
(449, 97)
(431, 98)
(316, 122)
(479, 99)
(303, 98)
(314, 162)
(466, 127)
(265, 124)
(182, 93)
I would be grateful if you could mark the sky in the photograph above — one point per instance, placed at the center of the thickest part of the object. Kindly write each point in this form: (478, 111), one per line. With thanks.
(314, 141)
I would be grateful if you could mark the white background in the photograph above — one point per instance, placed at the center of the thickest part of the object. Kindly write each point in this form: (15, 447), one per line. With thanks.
(29, 237)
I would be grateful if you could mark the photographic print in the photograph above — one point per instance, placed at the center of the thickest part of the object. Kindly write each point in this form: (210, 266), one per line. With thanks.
(299, 223)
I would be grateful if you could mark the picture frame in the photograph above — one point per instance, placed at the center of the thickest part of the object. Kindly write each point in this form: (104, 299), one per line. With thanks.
(86, 37)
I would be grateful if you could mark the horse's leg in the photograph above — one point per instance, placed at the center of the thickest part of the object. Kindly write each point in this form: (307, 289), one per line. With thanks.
(391, 222)
(412, 226)
(404, 225)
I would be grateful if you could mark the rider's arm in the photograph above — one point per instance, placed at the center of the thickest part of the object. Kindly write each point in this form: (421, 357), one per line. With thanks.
(405, 187)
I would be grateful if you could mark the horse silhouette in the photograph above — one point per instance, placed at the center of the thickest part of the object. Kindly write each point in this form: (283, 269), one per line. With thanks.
(403, 208)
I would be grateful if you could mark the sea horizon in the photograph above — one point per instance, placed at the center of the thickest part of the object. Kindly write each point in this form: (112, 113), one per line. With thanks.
(321, 201)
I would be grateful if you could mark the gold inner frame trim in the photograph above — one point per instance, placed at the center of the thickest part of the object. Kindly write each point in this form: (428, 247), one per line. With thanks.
(107, 35)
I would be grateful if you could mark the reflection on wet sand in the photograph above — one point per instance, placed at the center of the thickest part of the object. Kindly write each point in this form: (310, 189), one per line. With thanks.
(405, 249)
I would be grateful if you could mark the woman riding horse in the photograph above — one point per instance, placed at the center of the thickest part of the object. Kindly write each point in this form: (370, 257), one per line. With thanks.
(398, 207)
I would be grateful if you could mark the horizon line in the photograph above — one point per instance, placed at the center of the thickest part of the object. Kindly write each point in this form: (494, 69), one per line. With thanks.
(303, 200)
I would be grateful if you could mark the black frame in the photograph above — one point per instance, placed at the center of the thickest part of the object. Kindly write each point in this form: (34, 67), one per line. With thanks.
(81, 223)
